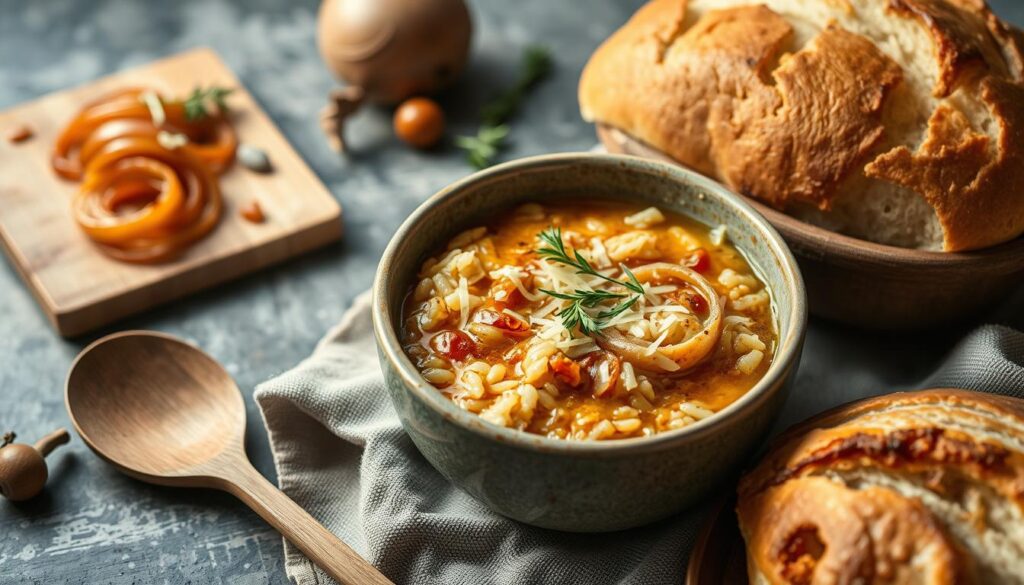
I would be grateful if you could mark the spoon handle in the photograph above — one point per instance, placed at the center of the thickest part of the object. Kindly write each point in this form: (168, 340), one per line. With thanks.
(316, 542)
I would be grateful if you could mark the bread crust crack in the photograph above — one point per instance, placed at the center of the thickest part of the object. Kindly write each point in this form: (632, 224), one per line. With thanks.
(870, 113)
(962, 175)
(961, 41)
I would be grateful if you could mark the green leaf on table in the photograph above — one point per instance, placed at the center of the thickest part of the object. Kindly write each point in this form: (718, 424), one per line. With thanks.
(483, 149)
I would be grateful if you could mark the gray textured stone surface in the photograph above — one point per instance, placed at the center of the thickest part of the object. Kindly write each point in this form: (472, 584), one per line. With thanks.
(93, 525)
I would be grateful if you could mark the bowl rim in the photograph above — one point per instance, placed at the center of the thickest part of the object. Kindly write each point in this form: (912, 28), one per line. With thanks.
(786, 357)
(818, 240)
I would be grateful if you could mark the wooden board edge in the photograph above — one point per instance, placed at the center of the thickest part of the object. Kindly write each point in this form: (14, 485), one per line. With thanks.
(14, 258)
(74, 322)
(313, 224)
(317, 230)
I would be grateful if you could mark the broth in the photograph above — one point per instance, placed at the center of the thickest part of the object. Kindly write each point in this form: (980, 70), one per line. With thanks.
(512, 326)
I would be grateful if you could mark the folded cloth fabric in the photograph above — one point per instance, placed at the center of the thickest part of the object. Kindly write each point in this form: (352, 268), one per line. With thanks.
(991, 360)
(341, 454)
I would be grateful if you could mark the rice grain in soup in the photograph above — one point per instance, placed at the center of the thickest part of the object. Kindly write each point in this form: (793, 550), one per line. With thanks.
(590, 321)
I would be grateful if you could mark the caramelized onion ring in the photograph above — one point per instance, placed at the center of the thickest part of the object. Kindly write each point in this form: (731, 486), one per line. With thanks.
(685, 354)
(96, 204)
(182, 201)
(122, 114)
(141, 201)
(119, 105)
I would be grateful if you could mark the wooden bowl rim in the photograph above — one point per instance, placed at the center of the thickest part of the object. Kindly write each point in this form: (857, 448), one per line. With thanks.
(721, 513)
(811, 237)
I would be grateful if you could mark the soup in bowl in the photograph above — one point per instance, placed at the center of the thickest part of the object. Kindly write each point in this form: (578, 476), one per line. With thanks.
(601, 320)
(587, 342)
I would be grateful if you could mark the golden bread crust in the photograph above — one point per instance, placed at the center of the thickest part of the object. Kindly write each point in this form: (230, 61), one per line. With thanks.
(923, 487)
(960, 36)
(868, 536)
(805, 143)
(730, 93)
(974, 194)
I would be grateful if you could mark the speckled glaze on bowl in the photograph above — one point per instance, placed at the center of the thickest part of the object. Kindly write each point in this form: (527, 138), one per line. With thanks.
(576, 485)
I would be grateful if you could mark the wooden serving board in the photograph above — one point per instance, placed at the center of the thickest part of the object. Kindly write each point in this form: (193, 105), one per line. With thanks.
(81, 289)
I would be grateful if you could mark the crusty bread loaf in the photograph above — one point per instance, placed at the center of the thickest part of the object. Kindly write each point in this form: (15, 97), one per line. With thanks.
(915, 488)
(897, 121)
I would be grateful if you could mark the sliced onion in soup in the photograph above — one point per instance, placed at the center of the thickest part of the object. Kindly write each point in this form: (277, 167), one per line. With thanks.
(675, 357)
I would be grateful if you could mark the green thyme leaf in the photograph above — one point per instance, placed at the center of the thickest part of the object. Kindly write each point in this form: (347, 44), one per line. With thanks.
(482, 148)
(199, 100)
(575, 315)
(618, 309)
(633, 284)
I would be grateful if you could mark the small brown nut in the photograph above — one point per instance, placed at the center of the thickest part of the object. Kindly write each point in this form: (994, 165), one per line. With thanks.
(253, 212)
(23, 470)
(19, 133)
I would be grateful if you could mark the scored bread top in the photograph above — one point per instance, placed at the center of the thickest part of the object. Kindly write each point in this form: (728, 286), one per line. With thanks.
(898, 121)
(923, 487)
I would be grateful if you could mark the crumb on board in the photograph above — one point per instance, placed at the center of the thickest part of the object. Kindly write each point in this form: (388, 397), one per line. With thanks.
(253, 213)
(19, 133)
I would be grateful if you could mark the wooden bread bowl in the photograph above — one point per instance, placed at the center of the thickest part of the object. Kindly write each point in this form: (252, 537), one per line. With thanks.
(872, 285)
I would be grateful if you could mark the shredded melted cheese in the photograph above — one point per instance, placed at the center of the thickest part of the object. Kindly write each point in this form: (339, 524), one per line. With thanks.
(155, 106)
(463, 292)
(171, 140)
(653, 347)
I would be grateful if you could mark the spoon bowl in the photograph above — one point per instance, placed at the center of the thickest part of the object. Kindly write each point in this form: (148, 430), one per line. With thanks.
(161, 410)
(155, 406)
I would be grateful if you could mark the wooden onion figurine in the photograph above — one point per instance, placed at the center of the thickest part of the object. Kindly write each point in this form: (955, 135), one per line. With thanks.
(23, 470)
(387, 51)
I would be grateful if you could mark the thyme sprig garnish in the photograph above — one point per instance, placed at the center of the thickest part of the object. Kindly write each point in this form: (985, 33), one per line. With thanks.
(198, 101)
(575, 315)
(554, 249)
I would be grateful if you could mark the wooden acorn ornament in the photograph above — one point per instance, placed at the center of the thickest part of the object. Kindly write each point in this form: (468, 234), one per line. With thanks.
(23, 470)
(387, 51)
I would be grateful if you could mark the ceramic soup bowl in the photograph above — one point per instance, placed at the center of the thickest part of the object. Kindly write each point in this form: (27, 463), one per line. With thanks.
(584, 486)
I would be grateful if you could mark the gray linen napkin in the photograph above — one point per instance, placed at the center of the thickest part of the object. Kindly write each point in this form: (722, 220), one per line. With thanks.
(341, 454)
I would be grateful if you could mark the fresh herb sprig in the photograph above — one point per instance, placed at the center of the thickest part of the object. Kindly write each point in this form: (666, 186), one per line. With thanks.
(482, 149)
(197, 102)
(554, 249)
(575, 315)
(537, 65)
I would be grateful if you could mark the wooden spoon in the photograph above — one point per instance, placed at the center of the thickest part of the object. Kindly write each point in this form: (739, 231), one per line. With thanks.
(164, 412)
